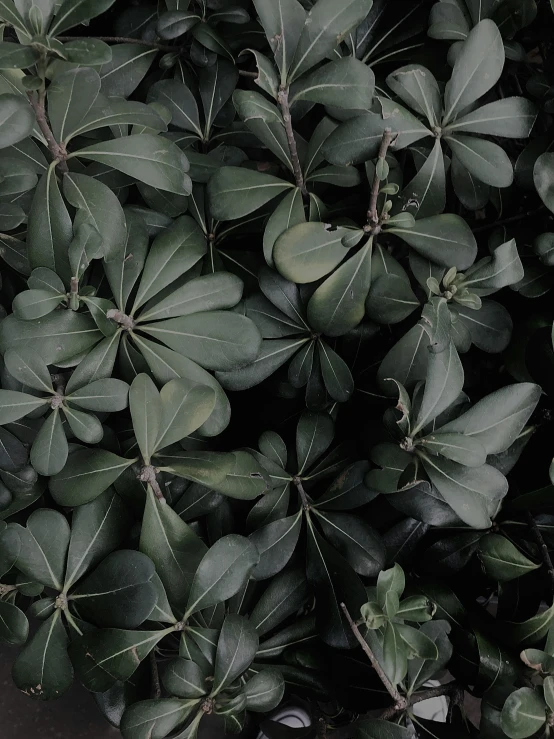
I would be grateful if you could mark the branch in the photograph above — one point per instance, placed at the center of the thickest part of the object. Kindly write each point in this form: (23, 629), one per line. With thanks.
(305, 502)
(400, 703)
(123, 40)
(58, 151)
(245, 73)
(283, 100)
(373, 220)
(511, 219)
(156, 687)
(148, 475)
(542, 547)
(448, 689)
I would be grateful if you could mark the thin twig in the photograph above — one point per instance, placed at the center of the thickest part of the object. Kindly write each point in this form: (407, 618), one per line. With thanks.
(124, 40)
(283, 100)
(448, 689)
(305, 502)
(57, 150)
(245, 73)
(542, 546)
(372, 214)
(511, 219)
(400, 703)
(156, 687)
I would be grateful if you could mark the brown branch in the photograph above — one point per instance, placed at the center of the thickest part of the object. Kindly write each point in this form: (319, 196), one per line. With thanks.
(155, 681)
(373, 220)
(400, 703)
(58, 151)
(123, 40)
(305, 502)
(148, 475)
(283, 100)
(542, 547)
(449, 689)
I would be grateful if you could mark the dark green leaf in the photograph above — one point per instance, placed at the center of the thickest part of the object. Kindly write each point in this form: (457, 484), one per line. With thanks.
(236, 648)
(523, 713)
(234, 192)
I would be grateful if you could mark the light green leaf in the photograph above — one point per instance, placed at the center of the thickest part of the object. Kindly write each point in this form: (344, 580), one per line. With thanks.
(511, 117)
(484, 159)
(15, 405)
(308, 251)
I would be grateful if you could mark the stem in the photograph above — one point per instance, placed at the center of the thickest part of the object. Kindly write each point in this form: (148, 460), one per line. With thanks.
(283, 100)
(148, 475)
(156, 687)
(245, 73)
(305, 502)
(373, 220)
(57, 151)
(400, 703)
(511, 219)
(542, 546)
(74, 294)
(124, 40)
(448, 689)
(125, 321)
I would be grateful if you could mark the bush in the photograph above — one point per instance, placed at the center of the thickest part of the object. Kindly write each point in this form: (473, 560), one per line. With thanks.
(275, 417)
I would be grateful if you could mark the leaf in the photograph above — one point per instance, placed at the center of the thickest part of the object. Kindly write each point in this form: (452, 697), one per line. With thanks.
(185, 678)
(275, 543)
(344, 83)
(73, 12)
(390, 299)
(49, 450)
(347, 491)
(14, 627)
(128, 66)
(15, 56)
(336, 374)
(283, 597)
(147, 158)
(406, 362)
(358, 543)
(314, 435)
(44, 543)
(180, 102)
(87, 51)
(175, 23)
(154, 718)
(523, 713)
(417, 87)
(86, 475)
(98, 206)
(42, 669)
(125, 266)
(104, 396)
(244, 477)
(425, 194)
(216, 84)
(289, 212)
(444, 239)
(374, 728)
(283, 22)
(173, 547)
(264, 691)
(497, 420)
(234, 192)
(173, 252)
(502, 560)
(16, 119)
(484, 159)
(478, 67)
(457, 447)
(15, 405)
(119, 592)
(308, 251)
(511, 117)
(146, 413)
(473, 493)
(543, 179)
(324, 28)
(216, 340)
(443, 384)
(71, 95)
(211, 40)
(224, 569)
(236, 648)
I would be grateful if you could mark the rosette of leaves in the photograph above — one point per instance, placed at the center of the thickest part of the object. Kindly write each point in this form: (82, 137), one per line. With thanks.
(282, 319)
(300, 41)
(224, 683)
(83, 584)
(341, 547)
(49, 447)
(453, 21)
(453, 119)
(160, 419)
(437, 471)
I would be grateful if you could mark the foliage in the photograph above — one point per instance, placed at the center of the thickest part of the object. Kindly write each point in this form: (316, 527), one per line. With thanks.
(277, 360)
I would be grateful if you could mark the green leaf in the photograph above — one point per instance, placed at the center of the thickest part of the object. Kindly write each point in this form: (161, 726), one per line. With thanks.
(87, 51)
(42, 669)
(390, 299)
(176, 23)
(276, 543)
(406, 362)
(223, 571)
(216, 340)
(502, 560)
(119, 592)
(344, 83)
(73, 12)
(395, 653)
(417, 643)
(15, 405)
(534, 629)
(457, 447)
(234, 192)
(425, 194)
(283, 597)
(272, 355)
(17, 119)
(155, 718)
(336, 374)
(104, 656)
(244, 478)
(128, 66)
(523, 713)
(32, 304)
(185, 678)
(236, 648)
(484, 159)
(147, 158)
(497, 420)
(421, 670)
(443, 384)
(49, 450)
(180, 102)
(71, 95)
(252, 105)
(15, 56)
(358, 543)
(543, 177)
(416, 86)
(283, 22)
(478, 67)
(444, 239)
(289, 212)
(185, 407)
(146, 413)
(173, 547)
(374, 728)
(29, 369)
(86, 475)
(172, 253)
(511, 117)
(548, 687)
(14, 627)
(325, 27)
(347, 491)
(96, 529)
(264, 691)
(308, 251)
(44, 543)
(103, 396)
(314, 435)
(211, 40)
(473, 493)
(216, 83)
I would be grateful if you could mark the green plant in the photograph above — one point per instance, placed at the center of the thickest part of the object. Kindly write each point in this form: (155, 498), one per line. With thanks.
(325, 207)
